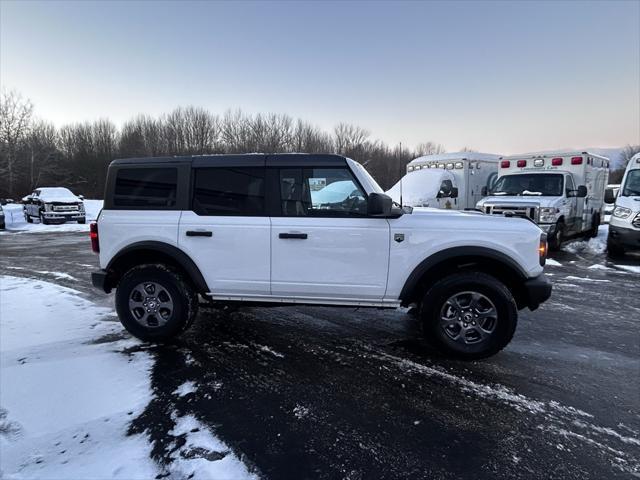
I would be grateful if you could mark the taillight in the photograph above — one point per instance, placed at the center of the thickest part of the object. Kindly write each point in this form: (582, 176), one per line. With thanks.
(556, 161)
(505, 164)
(522, 163)
(543, 249)
(93, 235)
(576, 160)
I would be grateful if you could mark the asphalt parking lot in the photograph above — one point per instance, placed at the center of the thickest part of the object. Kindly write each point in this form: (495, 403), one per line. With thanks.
(315, 392)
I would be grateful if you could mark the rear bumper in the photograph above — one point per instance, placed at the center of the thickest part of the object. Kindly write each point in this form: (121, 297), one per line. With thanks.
(624, 237)
(536, 291)
(100, 280)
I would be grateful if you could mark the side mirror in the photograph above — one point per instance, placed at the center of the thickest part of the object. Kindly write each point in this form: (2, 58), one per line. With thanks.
(582, 191)
(484, 192)
(379, 205)
(81, 197)
(454, 192)
(609, 196)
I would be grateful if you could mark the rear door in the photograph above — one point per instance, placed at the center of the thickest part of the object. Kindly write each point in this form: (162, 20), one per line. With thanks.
(226, 231)
(323, 244)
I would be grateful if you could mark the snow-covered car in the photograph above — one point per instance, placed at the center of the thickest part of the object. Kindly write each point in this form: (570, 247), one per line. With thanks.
(624, 225)
(53, 205)
(306, 229)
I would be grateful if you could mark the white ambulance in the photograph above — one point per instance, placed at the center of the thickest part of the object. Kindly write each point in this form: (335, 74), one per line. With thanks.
(563, 192)
(450, 180)
(624, 226)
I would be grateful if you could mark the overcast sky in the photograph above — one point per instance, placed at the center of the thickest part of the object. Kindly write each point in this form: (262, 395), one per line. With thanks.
(503, 77)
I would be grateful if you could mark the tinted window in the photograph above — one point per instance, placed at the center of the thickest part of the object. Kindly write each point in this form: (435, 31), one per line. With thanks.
(146, 187)
(327, 192)
(229, 191)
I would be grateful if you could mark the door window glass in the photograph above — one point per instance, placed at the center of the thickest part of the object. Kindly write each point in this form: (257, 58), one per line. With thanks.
(328, 192)
(229, 191)
(570, 187)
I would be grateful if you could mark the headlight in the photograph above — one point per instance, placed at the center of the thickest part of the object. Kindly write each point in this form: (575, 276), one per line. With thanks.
(621, 212)
(548, 214)
(47, 207)
(81, 207)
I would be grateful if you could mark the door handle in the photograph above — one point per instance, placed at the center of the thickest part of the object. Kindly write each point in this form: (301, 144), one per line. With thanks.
(299, 236)
(199, 233)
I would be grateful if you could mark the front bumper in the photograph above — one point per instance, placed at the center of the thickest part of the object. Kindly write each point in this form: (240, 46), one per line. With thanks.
(536, 291)
(64, 216)
(624, 237)
(100, 280)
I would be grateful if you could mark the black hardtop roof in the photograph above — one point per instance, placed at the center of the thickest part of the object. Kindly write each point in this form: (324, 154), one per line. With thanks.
(241, 160)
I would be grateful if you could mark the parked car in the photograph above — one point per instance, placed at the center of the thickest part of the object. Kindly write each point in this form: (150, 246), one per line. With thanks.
(450, 180)
(2, 220)
(246, 229)
(624, 226)
(53, 205)
(562, 192)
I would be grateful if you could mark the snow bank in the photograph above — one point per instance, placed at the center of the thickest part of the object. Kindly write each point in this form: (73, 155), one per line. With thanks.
(593, 246)
(553, 263)
(66, 401)
(15, 222)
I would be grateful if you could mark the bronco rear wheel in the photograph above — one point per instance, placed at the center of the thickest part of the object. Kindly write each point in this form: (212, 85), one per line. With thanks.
(469, 315)
(155, 303)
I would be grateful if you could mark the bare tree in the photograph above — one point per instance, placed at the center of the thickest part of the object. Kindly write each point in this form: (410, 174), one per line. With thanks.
(15, 122)
(349, 137)
(429, 148)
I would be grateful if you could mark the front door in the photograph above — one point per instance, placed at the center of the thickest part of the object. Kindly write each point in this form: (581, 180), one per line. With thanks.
(324, 244)
(227, 232)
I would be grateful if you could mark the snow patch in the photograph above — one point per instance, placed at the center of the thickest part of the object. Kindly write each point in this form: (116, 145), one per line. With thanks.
(629, 268)
(594, 246)
(553, 263)
(186, 388)
(69, 400)
(587, 279)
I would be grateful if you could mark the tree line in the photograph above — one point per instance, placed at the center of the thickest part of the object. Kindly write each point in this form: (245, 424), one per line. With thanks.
(34, 152)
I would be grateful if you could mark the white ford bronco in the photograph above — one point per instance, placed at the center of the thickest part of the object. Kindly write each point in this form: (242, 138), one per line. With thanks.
(289, 229)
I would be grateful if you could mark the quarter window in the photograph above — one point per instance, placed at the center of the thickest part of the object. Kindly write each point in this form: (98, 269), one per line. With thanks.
(146, 187)
(321, 192)
(229, 191)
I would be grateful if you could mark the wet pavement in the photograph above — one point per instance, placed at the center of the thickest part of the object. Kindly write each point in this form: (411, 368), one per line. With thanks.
(317, 392)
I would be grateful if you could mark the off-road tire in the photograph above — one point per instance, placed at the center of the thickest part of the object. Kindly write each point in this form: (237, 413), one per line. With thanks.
(436, 297)
(43, 220)
(184, 297)
(28, 218)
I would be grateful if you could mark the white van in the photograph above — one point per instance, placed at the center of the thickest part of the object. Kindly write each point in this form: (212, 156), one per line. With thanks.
(624, 226)
(450, 180)
(563, 192)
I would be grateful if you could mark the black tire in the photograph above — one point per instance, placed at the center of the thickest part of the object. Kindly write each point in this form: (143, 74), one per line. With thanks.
(593, 233)
(43, 220)
(82, 221)
(503, 324)
(556, 239)
(613, 249)
(28, 218)
(183, 310)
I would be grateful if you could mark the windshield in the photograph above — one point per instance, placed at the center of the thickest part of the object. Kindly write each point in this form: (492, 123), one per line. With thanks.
(632, 184)
(536, 184)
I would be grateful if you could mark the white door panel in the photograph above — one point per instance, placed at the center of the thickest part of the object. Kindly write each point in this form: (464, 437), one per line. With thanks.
(340, 257)
(235, 259)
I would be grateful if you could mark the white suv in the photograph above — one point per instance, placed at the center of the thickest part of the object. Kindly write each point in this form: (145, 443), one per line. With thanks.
(307, 229)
